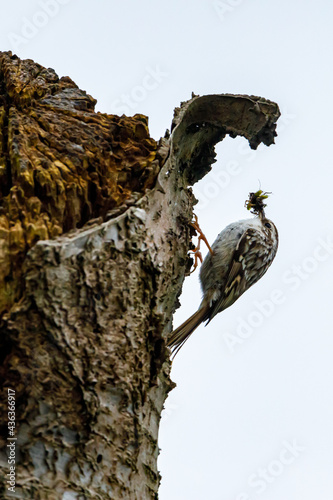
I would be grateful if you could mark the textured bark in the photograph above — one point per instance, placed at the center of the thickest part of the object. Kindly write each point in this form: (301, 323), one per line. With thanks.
(61, 164)
(83, 331)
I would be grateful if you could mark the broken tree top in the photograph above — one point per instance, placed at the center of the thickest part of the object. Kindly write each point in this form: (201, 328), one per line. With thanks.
(63, 165)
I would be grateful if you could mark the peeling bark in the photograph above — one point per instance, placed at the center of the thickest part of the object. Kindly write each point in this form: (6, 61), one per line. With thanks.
(83, 336)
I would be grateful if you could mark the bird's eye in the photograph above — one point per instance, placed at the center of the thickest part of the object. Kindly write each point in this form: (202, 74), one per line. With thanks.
(267, 224)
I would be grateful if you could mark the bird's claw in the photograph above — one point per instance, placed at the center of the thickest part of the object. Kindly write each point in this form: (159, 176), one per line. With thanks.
(197, 256)
(196, 252)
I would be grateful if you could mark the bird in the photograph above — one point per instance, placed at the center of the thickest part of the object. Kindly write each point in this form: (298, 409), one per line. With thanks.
(238, 258)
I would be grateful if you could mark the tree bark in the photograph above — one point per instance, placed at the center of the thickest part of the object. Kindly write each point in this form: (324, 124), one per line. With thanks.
(94, 241)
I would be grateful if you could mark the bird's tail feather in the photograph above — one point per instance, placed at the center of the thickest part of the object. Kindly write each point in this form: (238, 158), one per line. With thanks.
(179, 336)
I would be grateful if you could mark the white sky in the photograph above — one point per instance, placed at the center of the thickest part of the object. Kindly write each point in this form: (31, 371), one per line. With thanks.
(252, 420)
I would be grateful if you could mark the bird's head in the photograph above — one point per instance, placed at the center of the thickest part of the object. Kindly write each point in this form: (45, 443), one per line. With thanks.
(270, 229)
(256, 204)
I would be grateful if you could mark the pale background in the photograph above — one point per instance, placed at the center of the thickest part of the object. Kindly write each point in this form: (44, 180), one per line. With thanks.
(252, 415)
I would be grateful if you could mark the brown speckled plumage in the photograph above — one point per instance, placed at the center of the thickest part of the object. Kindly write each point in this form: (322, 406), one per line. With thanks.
(242, 253)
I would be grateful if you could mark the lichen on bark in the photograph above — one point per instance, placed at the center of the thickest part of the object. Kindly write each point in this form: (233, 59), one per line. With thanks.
(61, 164)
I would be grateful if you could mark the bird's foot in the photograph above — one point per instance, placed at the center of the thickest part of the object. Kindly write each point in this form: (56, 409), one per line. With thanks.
(197, 256)
(195, 225)
(202, 237)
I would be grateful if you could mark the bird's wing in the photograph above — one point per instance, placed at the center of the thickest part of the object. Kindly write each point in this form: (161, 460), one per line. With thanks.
(244, 258)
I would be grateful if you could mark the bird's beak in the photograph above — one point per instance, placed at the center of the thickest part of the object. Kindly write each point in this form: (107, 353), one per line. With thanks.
(262, 215)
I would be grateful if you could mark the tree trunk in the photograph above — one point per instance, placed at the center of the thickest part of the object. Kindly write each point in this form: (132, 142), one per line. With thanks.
(94, 238)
